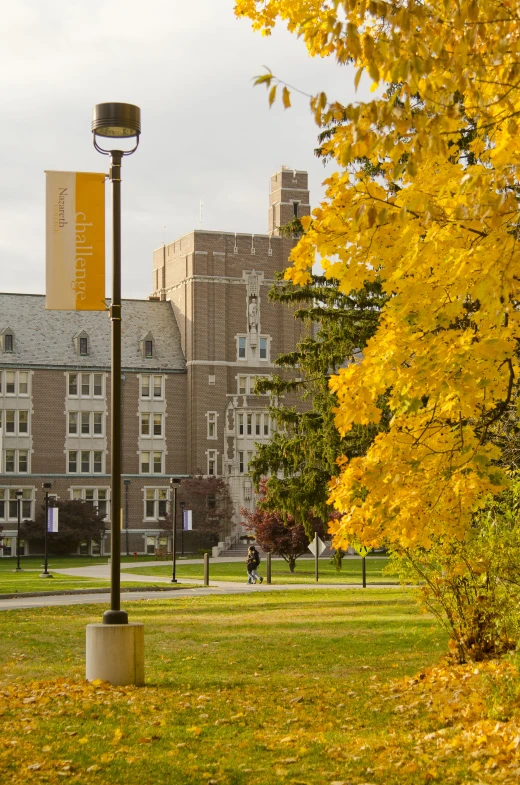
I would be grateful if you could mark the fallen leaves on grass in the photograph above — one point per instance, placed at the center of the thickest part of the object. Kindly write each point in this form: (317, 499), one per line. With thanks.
(39, 702)
(460, 717)
(458, 724)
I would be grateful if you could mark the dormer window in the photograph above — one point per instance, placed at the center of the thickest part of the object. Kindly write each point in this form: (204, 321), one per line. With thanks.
(8, 340)
(82, 344)
(147, 345)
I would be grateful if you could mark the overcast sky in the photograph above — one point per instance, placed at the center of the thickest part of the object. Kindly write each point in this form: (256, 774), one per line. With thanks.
(207, 133)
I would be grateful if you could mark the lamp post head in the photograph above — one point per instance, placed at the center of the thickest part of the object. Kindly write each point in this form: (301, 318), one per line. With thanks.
(127, 482)
(19, 493)
(116, 120)
(46, 486)
(174, 482)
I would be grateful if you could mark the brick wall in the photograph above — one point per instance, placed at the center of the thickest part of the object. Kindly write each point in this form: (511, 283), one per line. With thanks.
(48, 423)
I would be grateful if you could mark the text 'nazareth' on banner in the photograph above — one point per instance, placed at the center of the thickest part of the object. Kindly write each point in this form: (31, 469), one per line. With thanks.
(75, 234)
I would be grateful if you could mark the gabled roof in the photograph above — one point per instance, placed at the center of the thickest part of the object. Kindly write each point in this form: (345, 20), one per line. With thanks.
(46, 338)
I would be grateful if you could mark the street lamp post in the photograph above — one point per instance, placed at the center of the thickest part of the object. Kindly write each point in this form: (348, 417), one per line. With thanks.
(46, 574)
(116, 121)
(182, 506)
(127, 484)
(174, 484)
(115, 648)
(19, 494)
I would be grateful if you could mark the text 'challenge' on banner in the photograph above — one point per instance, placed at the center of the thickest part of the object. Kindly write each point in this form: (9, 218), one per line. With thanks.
(75, 233)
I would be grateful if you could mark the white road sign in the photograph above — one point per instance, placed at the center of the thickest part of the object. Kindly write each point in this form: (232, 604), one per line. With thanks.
(317, 543)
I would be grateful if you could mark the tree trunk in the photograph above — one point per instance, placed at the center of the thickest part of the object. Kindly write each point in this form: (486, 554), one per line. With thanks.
(292, 563)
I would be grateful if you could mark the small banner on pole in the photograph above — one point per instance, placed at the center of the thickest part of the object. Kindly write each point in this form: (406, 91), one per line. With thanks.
(52, 520)
(187, 521)
(75, 241)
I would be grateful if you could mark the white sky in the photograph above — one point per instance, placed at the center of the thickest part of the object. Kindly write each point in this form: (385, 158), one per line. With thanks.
(207, 132)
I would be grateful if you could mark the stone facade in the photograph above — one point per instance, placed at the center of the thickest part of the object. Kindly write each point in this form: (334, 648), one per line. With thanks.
(191, 354)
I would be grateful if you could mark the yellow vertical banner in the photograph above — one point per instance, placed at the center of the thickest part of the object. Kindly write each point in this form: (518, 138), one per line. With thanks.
(75, 241)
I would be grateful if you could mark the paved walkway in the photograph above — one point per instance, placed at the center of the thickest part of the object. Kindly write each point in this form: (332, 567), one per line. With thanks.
(102, 572)
(200, 591)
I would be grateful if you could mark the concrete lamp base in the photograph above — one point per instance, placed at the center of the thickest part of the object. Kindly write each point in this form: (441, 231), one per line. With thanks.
(115, 653)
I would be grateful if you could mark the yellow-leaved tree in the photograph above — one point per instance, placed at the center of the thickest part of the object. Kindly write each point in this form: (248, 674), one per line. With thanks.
(426, 198)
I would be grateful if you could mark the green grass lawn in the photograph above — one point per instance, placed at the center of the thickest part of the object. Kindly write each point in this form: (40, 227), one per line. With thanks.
(271, 688)
(18, 583)
(304, 572)
(29, 580)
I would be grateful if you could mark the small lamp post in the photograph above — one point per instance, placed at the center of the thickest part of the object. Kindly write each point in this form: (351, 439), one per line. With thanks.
(115, 648)
(127, 485)
(182, 505)
(46, 488)
(114, 121)
(19, 495)
(174, 484)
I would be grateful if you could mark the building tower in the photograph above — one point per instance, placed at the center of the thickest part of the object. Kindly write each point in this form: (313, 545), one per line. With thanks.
(218, 284)
(289, 198)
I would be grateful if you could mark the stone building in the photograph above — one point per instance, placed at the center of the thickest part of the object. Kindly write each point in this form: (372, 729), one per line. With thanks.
(191, 354)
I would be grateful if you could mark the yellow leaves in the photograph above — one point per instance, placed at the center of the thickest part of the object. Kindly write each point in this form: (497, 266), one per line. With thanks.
(433, 51)
(432, 266)
(412, 483)
(298, 277)
(306, 221)
(373, 70)
(118, 735)
(440, 232)
(264, 79)
(459, 703)
(195, 730)
(98, 683)
(357, 78)
(271, 83)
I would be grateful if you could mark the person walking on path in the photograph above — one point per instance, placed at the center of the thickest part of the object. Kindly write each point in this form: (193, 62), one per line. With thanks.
(252, 562)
